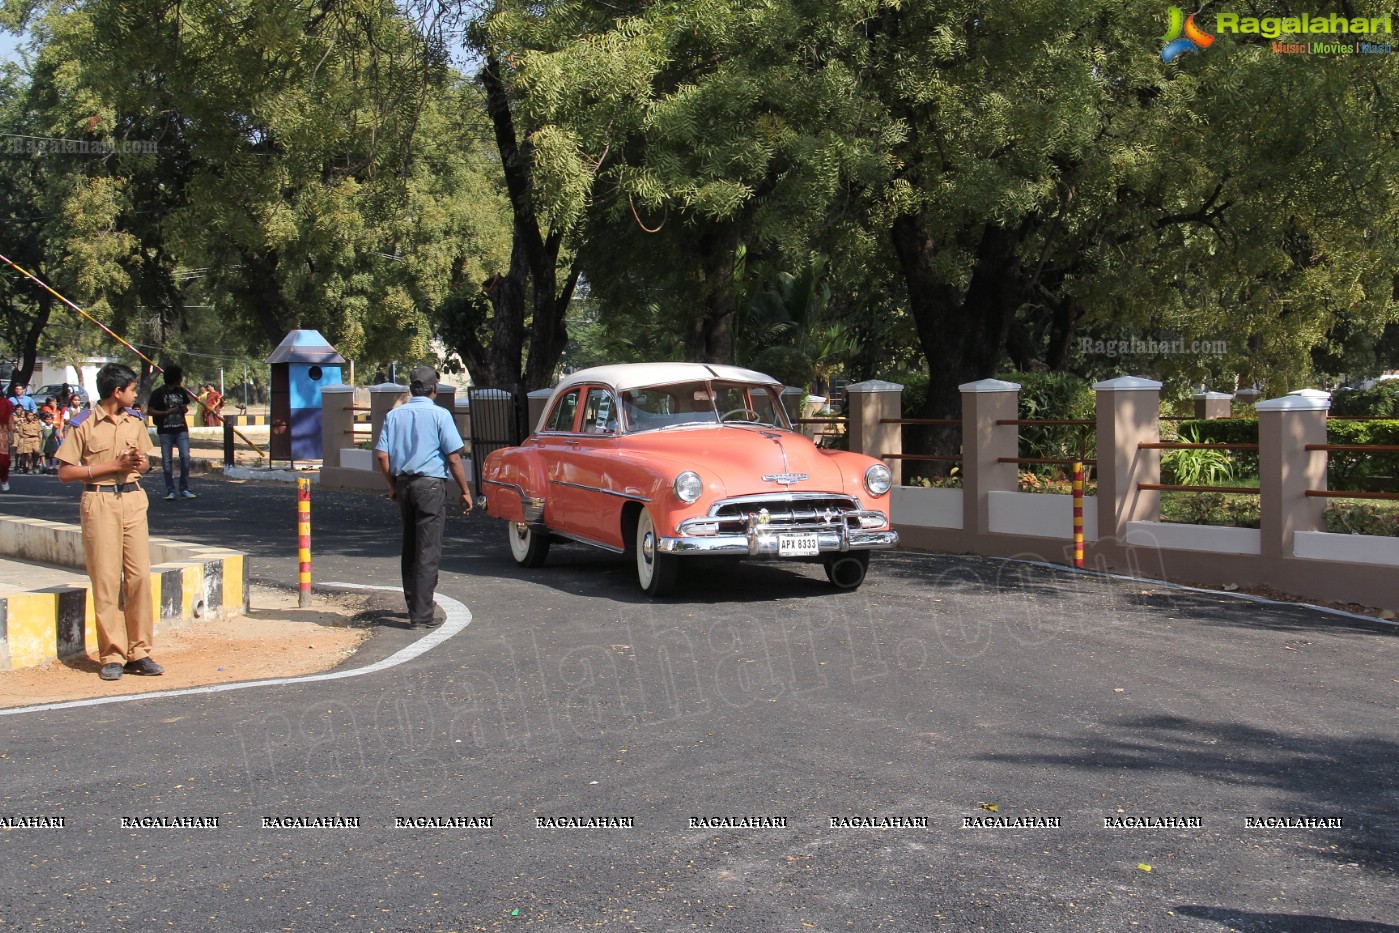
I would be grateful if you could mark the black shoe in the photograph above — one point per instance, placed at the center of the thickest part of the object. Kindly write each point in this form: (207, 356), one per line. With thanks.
(438, 617)
(144, 666)
(110, 671)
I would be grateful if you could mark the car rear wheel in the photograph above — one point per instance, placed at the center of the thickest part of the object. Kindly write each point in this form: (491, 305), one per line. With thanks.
(847, 570)
(656, 572)
(527, 546)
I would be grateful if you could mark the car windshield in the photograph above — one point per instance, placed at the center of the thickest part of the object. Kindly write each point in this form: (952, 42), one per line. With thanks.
(682, 403)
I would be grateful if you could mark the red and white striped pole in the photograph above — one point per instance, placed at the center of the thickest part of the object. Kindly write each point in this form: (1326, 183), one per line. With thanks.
(303, 530)
(1078, 515)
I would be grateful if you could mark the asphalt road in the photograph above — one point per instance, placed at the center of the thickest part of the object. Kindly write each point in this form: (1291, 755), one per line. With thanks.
(945, 690)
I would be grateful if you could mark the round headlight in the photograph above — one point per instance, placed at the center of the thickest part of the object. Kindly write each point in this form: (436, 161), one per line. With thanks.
(878, 479)
(688, 486)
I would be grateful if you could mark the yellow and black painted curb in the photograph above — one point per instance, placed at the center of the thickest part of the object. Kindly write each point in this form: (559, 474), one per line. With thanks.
(189, 582)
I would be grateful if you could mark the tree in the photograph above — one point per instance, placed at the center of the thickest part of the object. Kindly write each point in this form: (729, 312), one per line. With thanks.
(58, 221)
(682, 136)
(1073, 182)
(791, 322)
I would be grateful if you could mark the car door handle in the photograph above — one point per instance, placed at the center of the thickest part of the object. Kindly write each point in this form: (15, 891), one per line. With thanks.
(574, 443)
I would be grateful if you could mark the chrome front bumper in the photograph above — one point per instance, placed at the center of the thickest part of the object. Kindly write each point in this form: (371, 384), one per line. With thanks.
(765, 544)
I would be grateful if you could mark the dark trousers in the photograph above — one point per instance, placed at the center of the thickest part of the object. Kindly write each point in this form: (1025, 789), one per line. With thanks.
(423, 502)
(169, 445)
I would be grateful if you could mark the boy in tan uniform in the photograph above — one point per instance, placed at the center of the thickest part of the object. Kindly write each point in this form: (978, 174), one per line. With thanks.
(108, 452)
(29, 434)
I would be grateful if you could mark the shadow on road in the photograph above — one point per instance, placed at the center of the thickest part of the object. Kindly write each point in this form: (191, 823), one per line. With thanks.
(1319, 776)
(1247, 921)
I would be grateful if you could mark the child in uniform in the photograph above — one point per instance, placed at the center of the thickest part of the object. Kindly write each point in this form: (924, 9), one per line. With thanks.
(107, 452)
(29, 441)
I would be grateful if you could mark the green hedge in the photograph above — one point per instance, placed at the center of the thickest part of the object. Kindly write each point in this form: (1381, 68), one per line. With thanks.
(1351, 471)
(1226, 431)
(1055, 396)
(1357, 470)
(1379, 401)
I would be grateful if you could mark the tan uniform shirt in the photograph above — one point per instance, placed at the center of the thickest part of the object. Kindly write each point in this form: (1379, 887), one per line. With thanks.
(28, 436)
(101, 439)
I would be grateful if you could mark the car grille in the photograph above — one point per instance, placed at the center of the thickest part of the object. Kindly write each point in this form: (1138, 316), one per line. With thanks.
(794, 512)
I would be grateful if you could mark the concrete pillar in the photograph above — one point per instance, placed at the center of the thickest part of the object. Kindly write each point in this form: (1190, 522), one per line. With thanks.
(792, 403)
(871, 402)
(1213, 404)
(1286, 469)
(1129, 413)
(984, 443)
(337, 422)
(383, 399)
(447, 396)
(1246, 399)
(461, 415)
(537, 400)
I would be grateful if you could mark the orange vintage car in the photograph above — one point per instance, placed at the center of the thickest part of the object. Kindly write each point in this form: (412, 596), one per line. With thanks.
(668, 461)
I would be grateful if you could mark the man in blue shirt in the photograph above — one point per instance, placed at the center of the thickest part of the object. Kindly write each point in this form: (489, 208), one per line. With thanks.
(21, 399)
(417, 446)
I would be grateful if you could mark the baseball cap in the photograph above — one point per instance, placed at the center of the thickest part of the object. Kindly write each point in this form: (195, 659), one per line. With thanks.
(423, 379)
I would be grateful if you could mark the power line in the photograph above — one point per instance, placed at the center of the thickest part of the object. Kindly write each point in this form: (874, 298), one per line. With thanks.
(159, 348)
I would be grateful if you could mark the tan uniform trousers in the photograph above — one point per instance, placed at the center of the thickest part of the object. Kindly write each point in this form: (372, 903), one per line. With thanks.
(116, 542)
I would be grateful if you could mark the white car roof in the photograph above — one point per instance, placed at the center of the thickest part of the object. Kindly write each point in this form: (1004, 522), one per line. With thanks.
(623, 376)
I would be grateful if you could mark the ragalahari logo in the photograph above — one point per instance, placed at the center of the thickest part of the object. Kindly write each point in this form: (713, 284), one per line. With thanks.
(1183, 36)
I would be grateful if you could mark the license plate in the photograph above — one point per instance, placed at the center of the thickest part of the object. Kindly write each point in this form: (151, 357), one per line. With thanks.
(804, 545)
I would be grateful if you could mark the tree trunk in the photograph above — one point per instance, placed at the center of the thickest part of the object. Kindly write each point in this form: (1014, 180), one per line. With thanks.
(259, 291)
(507, 294)
(1061, 333)
(29, 341)
(549, 332)
(533, 263)
(962, 334)
(712, 335)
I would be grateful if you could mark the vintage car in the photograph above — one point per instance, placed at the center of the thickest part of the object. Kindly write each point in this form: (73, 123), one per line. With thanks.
(665, 462)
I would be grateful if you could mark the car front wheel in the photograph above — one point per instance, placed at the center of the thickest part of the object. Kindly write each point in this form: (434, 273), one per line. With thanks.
(527, 546)
(656, 572)
(847, 571)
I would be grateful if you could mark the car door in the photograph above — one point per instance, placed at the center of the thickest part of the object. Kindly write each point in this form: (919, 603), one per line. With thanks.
(590, 504)
(553, 444)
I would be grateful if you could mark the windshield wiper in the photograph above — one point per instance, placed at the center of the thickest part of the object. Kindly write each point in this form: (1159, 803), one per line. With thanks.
(684, 424)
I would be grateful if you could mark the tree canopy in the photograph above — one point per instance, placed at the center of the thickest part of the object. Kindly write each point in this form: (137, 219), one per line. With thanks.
(863, 186)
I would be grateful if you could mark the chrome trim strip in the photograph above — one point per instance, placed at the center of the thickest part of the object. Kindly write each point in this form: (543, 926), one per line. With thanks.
(806, 522)
(636, 497)
(581, 540)
(765, 545)
(784, 497)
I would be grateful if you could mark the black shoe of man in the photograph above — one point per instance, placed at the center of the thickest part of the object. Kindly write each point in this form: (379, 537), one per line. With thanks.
(144, 666)
(110, 671)
(438, 617)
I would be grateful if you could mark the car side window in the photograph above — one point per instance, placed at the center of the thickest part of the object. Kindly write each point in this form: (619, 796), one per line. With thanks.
(561, 418)
(599, 413)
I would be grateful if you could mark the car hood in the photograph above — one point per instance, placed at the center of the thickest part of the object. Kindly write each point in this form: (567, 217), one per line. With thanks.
(747, 455)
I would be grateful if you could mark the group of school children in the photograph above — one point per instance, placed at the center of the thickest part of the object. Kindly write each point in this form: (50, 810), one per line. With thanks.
(30, 433)
(35, 436)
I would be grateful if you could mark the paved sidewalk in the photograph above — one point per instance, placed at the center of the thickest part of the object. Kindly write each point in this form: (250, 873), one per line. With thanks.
(20, 576)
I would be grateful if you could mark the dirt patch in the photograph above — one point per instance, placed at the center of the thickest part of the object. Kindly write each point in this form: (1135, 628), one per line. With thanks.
(275, 639)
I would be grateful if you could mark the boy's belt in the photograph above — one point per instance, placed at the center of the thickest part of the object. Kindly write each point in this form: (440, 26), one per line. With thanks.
(109, 487)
